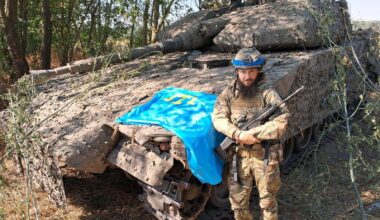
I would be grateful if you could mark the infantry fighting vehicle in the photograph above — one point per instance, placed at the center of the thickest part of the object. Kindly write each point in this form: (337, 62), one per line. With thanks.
(194, 53)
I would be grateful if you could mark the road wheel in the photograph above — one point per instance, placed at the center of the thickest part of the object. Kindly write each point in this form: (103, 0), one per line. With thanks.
(288, 151)
(303, 139)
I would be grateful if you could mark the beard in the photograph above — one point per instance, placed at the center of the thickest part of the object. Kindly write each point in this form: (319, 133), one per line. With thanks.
(246, 91)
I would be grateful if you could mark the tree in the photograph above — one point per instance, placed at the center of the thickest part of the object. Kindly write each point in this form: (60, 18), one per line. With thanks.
(47, 35)
(145, 22)
(134, 14)
(65, 14)
(93, 11)
(155, 18)
(165, 15)
(9, 16)
(23, 30)
(107, 24)
(158, 23)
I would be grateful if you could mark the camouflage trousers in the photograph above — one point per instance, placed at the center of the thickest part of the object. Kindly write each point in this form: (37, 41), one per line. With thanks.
(251, 167)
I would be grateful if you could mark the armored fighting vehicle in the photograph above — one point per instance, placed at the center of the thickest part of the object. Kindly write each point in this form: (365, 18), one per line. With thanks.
(296, 37)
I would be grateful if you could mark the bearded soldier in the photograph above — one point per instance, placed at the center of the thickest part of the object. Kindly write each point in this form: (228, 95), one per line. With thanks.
(245, 97)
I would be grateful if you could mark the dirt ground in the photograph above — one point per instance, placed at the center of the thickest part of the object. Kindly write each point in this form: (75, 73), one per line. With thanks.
(107, 196)
(318, 188)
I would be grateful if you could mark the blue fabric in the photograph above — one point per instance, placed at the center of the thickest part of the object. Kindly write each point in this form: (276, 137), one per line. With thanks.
(188, 115)
(248, 63)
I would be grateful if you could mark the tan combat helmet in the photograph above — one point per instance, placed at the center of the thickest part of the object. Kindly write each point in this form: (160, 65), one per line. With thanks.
(248, 58)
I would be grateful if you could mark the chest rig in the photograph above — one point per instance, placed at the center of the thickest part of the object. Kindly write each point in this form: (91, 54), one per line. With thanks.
(246, 106)
(243, 108)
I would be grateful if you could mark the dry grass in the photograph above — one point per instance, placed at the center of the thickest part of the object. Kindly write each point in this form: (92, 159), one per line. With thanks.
(318, 189)
(322, 190)
(107, 196)
(34, 59)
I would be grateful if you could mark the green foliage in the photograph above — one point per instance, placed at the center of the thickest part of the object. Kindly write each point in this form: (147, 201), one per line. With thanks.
(366, 132)
(356, 133)
(2, 214)
(4, 57)
(34, 29)
(3, 182)
(89, 28)
(372, 111)
(19, 121)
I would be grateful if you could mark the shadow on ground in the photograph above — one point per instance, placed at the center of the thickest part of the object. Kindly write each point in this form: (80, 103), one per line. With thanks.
(110, 195)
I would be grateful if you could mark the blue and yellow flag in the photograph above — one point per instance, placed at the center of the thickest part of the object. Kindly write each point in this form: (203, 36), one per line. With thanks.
(188, 115)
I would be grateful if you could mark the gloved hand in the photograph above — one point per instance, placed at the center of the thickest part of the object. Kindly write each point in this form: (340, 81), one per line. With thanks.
(247, 138)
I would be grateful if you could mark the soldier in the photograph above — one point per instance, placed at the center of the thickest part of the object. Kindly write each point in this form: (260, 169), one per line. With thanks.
(246, 96)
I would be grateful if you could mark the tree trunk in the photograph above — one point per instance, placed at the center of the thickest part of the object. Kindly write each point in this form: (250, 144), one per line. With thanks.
(90, 45)
(98, 31)
(165, 14)
(107, 23)
(67, 29)
(132, 33)
(134, 15)
(155, 17)
(6, 58)
(47, 35)
(9, 17)
(145, 22)
(23, 8)
(78, 28)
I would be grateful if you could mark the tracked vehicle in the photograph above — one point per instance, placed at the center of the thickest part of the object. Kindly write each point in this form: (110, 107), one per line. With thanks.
(194, 53)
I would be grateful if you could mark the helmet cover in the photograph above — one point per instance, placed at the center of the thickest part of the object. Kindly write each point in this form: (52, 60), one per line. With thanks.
(248, 58)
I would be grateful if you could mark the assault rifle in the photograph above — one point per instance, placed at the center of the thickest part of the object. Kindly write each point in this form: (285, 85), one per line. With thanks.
(245, 124)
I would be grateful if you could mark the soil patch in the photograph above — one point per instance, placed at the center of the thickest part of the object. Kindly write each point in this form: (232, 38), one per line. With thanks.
(107, 196)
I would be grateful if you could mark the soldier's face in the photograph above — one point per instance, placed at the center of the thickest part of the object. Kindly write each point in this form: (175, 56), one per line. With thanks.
(247, 76)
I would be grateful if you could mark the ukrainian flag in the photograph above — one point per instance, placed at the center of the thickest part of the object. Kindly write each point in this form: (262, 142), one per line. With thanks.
(188, 115)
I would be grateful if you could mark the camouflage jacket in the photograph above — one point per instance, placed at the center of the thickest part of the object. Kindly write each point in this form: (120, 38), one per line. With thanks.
(231, 105)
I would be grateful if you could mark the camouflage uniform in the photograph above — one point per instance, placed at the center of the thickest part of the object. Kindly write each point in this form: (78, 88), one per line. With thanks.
(230, 106)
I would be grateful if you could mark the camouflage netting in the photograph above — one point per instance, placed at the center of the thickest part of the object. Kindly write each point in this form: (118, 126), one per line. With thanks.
(46, 174)
(86, 101)
(283, 25)
(74, 132)
(287, 24)
(3, 115)
(44, 170)
(188, 21)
